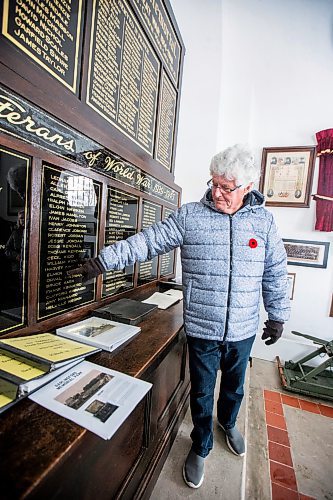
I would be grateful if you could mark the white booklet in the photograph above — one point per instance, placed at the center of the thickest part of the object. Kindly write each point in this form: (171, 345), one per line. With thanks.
(94, 397)
(162, 300)
(99, 332)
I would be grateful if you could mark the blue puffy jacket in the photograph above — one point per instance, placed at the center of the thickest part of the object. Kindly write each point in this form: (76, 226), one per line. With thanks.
(228, 263)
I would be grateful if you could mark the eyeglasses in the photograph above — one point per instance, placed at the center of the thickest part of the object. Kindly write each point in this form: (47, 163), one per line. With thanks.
(224, 189)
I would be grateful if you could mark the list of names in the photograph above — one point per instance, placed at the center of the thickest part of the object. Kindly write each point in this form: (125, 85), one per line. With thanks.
(123, 72)
(48, 32)
(166, 123)
(64, 242)
(151, 213)
(121, 222)
(167, 260)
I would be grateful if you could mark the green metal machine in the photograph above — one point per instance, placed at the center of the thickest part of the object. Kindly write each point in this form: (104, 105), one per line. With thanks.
(317, 381)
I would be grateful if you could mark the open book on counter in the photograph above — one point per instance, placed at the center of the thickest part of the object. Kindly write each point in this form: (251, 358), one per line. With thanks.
(94, 397)
(98, 332)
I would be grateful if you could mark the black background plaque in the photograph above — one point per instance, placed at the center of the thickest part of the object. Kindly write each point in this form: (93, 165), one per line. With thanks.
(121, 222)
(123, 72)
(49, 33)
(69, 219)
(151, 213)
(167, 260)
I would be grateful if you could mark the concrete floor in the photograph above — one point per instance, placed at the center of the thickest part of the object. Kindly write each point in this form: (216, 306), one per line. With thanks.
(224, 471)
(232, 478)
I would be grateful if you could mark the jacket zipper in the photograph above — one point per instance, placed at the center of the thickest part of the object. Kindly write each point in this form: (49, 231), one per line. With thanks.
(229, 284)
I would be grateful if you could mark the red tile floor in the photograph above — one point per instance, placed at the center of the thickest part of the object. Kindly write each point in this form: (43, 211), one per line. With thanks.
(283, 478)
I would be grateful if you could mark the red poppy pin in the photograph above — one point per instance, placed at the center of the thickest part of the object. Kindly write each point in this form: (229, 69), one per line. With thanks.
(253, 243)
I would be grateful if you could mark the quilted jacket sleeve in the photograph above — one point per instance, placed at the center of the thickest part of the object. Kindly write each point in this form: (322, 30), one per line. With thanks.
(155, 240)
(274, 282)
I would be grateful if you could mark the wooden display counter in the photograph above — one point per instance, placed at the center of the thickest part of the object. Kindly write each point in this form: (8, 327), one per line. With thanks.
(46, 456)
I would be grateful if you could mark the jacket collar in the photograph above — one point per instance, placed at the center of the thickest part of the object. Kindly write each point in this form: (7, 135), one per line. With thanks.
(252, 201)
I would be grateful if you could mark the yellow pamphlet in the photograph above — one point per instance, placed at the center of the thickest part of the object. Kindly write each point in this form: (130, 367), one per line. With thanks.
(47, 348)
(19, 367)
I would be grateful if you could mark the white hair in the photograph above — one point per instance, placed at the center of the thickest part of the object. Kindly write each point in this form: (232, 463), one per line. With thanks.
(235, 163)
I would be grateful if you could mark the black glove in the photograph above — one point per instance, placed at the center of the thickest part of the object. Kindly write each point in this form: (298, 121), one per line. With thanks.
(272, 331)
(89, 270)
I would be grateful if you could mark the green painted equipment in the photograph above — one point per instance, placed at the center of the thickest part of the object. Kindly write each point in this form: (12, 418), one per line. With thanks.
(316, 381)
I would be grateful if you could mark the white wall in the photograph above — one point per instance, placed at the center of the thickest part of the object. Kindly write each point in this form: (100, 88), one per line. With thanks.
(260, 72)
(199, 106)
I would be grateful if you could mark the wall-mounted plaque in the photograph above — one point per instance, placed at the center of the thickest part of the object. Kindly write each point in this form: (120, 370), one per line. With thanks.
(155, 19)
(167, 260)
(21, 119)
(121, 222)
(68, 234)
(14, 221)
(49, 33)
(166, 123)
(123, 72)
(151, 213)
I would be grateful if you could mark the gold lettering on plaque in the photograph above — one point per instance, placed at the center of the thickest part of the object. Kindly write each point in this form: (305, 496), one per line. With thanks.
(92, 157)
(48, 32)
(123, 73)
(13, 113)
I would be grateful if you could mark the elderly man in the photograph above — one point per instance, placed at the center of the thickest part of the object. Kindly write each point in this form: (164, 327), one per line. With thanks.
(231, 255)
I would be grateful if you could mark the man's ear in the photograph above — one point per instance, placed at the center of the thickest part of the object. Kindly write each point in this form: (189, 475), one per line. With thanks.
(248, 188)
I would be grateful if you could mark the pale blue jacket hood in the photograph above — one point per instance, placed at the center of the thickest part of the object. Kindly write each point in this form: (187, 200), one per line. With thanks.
(224, 275)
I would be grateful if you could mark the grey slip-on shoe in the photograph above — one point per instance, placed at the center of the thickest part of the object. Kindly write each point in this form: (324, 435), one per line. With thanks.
(193, 470)
(235, 440)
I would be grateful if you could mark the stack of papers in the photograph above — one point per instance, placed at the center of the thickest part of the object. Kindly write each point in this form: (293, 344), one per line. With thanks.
(94, 397)
(177, 294)
(162, 300)
(98, 332)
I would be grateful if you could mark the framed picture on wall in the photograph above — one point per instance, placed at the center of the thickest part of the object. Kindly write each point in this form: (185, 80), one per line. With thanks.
(306, 253)
(291, 284)
(286, 176)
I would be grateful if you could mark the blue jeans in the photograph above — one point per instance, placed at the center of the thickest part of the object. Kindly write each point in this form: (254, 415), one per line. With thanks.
(205, 358)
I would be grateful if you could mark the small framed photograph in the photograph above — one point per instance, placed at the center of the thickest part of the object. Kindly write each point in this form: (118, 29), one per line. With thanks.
(291, 284)
(286, 176)
(306, 253)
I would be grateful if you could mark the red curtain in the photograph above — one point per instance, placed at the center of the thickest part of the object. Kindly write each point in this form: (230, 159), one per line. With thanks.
(324, 196)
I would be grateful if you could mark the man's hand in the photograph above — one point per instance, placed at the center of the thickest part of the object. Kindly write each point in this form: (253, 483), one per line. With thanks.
(89, 270)
(272, 331)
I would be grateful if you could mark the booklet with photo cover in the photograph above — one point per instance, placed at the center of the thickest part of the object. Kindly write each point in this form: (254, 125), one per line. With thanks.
(47, 348)
(102, 333)
(126, 311)
(94, 397)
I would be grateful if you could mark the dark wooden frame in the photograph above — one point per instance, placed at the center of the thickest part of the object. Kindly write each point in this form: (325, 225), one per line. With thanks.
(40, 156)
(19, 73)
(308, 184)
(323, 263)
